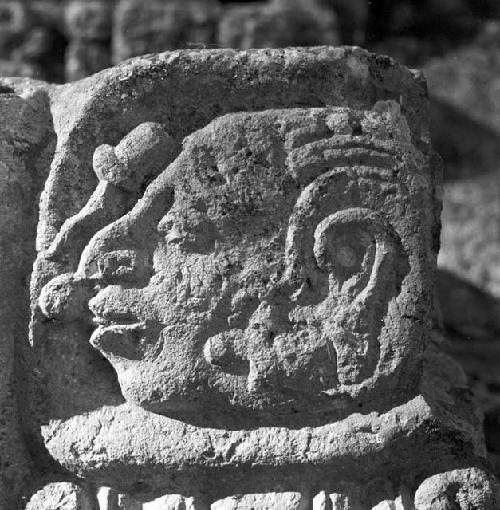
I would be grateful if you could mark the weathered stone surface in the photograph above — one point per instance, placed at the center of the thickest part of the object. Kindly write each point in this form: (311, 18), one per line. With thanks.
(324, 501)
(171, 502)
(461, 489)
(288, 500)
(109, 499)
(145, 27)
(26, 147)
(265, 304)
(136, 157)
(277, 24)
(233, 289)
(60, 496)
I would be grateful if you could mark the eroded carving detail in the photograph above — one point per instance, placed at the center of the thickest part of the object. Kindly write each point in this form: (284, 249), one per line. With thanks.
(246, 320)
(262, 270)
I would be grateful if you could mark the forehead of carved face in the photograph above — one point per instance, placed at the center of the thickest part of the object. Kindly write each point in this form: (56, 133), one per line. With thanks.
(266, 269)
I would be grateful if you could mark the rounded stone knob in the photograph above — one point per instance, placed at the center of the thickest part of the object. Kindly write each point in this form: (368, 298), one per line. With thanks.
(64, 298)
(141, 155)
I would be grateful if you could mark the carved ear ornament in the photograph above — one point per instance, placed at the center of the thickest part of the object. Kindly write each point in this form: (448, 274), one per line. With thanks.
(344, 242)
(380, 159)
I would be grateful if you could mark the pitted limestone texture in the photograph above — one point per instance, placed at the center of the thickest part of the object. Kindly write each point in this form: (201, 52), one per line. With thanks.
(296, 311)
(232, 295)
(461, 489)
(136, 158)
(26, 148)
(60, 496)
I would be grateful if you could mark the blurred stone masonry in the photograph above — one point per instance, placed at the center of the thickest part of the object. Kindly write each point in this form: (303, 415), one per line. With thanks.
(89, 25)
(232, 291)
(413, 31)
(465, 87)
(158, 25)
(32, 39)
(278, 24)
(66, 40)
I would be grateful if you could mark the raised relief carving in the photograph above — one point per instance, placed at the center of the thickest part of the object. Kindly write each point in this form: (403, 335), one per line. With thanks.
(261, 271)
(232, 298)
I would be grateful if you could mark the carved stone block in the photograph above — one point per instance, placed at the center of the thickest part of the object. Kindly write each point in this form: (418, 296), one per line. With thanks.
(233, 289)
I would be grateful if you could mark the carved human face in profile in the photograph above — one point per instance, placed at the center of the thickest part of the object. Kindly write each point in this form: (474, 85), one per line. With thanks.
(277, 266)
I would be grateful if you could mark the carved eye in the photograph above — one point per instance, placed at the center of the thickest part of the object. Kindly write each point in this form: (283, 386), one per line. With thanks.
(122, 265)
(345, 243)
(192, 233)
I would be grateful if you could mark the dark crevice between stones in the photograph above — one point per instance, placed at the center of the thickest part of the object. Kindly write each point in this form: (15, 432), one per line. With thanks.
(4, 89)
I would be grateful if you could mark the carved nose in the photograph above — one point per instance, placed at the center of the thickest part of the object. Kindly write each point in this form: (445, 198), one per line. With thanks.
(114, 256)
(121, 250)
(115, 266)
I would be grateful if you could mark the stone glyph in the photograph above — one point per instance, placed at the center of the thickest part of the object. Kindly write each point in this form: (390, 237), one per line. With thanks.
(262, 272)
(232, 297)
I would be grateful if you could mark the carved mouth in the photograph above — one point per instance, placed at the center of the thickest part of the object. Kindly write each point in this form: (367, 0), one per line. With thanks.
(135, 341)
(121, 334)
(124, 321)
(120, 327)
(331, 355)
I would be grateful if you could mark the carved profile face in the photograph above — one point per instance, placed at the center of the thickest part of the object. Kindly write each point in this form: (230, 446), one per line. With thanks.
(275, 267)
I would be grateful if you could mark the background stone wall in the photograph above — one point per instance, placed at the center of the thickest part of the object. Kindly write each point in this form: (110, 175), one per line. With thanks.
(64, 40)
